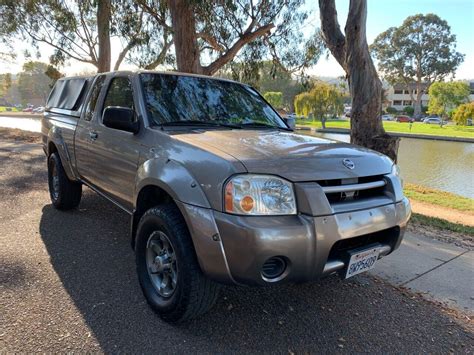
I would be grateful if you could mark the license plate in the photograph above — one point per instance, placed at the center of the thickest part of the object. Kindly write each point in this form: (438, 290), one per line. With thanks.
(362, 261)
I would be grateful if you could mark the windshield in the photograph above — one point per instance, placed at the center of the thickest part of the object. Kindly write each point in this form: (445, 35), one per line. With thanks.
(186, 99)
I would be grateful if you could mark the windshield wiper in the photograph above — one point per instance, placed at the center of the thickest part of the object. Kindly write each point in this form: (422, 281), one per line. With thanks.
(262, 125)
(199, 123)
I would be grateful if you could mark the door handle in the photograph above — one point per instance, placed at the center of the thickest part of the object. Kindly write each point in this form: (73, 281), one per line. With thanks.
(93, 135)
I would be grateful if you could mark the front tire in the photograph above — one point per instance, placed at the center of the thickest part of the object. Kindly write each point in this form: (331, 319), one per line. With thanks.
(169, 274)
(65, 194)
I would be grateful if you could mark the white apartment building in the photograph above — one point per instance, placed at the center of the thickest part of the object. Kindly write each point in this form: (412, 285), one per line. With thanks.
(398, 96)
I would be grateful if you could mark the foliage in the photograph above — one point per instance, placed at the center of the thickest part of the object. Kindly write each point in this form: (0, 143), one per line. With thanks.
(208, 34)
(421, 50)
(274, 98)
(409, 110)
(463, 112)
(71, 27)
(264, 76)
(446, 96)
(323, 99)
(391, 110)
(33, 82)
(5, 83)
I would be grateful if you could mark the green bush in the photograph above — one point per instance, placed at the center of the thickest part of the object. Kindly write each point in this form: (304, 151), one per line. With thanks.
(463, 112)
(391, 110)
(409, 110)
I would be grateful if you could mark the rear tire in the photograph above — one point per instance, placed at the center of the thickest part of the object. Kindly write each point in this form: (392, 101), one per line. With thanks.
(169, 274)
(65, 194)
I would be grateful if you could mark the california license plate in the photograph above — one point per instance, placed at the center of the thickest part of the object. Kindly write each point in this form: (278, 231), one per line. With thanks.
(362, 261)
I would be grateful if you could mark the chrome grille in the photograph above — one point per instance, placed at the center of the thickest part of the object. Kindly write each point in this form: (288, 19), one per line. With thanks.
(346, 190)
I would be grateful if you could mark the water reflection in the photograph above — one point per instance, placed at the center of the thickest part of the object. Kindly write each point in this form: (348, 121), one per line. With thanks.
(447, 166)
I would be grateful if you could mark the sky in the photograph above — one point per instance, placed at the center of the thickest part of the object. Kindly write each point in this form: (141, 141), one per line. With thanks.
(382, 14)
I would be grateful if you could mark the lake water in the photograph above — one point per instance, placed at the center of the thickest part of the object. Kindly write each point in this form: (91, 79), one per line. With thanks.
(447, 166)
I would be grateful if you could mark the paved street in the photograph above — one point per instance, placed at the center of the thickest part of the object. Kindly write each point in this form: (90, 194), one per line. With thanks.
(67, 283)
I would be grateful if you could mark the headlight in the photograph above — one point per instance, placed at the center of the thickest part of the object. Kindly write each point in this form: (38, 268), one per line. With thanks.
(396, 172)
(259, 195)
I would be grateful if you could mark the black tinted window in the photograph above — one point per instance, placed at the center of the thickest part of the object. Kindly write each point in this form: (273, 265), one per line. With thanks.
(171, 98)
(120, 93)
(68, 93)
(92, 100)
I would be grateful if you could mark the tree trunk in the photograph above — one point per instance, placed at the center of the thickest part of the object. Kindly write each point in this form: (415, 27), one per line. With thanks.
(103, 29)
(352, 53)
(417, 102)
(184, 36)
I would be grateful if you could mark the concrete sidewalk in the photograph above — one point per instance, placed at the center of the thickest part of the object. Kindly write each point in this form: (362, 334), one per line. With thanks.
(440, 271)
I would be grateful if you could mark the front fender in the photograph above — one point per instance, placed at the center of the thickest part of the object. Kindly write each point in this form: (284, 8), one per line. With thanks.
(173, 178)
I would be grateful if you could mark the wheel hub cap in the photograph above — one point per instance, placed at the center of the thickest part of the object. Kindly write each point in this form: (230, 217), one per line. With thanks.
(161, 264)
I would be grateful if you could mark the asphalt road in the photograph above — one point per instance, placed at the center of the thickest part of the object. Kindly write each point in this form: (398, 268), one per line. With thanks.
(67, 283)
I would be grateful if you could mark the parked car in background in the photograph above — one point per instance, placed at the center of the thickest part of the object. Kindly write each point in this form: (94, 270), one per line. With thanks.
(433, 120)
(404, 119)
(387, 118)
(39, 109)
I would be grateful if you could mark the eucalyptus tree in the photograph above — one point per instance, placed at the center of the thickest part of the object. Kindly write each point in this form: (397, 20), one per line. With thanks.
(209, 34)
(351, 51)
(422, 50)
(79, 30)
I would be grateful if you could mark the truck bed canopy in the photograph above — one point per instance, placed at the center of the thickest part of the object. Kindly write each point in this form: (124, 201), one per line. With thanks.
(68, 93)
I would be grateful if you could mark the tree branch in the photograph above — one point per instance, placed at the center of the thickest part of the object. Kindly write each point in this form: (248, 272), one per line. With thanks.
(161, 57)
(232, 52)
(211, 40)
(331, 31)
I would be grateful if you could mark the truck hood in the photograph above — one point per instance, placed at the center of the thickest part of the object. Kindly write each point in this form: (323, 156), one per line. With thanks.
(292, 156)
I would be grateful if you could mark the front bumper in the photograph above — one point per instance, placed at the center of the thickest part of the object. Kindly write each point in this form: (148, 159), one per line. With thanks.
(233, 249)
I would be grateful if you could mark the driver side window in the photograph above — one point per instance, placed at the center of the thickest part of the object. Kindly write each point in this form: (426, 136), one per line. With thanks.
(92, 101)
(120, 93)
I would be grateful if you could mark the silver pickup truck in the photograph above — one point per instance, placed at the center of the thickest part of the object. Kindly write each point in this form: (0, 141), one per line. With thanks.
(218, 187)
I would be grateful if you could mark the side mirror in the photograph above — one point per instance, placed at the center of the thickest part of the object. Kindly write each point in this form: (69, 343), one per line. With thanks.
(122, 118)
(290, 122)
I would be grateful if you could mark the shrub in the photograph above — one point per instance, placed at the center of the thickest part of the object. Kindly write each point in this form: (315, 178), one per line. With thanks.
(409, 110)
(391, 110)
(463, 112)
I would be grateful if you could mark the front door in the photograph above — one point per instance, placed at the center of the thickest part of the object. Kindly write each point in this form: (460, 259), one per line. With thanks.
(115, 152)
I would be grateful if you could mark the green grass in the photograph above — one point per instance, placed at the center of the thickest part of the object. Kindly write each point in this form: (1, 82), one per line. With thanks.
(417, 128)
(441, 224)
(3, 109)
(439, 198)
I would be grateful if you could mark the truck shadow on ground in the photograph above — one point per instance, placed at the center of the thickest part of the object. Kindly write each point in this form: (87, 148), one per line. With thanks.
(90, 251)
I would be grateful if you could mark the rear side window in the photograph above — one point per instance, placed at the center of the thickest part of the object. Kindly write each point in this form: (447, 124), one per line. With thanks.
(68, 93)
(92, 100)
(119, 94)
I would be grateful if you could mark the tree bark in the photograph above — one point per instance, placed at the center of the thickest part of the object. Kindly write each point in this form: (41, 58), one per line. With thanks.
(417, 103)
(352, 53)
(103, 29)
(184, 36)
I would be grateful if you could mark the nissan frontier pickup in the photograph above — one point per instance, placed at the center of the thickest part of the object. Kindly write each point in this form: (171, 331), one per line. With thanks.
(219, 188)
